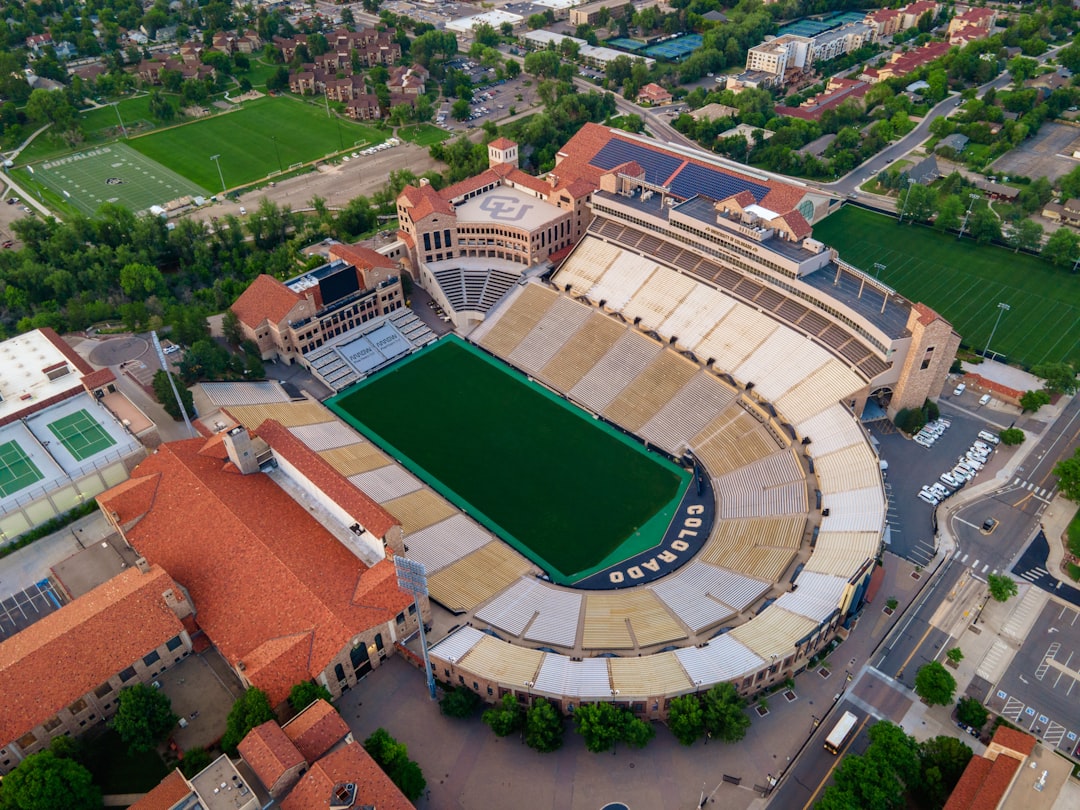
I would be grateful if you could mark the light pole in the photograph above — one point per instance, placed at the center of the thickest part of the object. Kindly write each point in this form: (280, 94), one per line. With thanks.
(217, 162)
(276, 152)
(963, 225)
(1002, 309)
(907, 197)
(116, 106)
(878, 267)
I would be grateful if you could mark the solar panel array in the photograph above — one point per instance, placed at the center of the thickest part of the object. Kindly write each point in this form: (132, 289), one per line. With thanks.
(693, 179)
(716, 185)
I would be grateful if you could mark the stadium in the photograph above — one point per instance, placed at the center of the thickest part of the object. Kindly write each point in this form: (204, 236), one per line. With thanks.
(697, 324)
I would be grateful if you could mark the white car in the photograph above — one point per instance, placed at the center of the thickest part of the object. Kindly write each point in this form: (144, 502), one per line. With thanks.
(961, 388)
(982, 446)
(925, 442)
(949, 479)
(987, 436)
(930, 499)
(939, 489)
(973, 461)
(984, 399)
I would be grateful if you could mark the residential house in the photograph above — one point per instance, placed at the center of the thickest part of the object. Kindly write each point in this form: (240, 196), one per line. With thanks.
(654, 94)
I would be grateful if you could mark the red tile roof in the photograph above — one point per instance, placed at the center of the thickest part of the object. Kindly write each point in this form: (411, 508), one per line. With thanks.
(68, 653)
(265, 299)
(425, 201)
(349, 764)
(269, 753)
(316, 730)
(62, 346)
(320, 472)
(1014, 740)
(258, 566)
(591, 138)
(502, 143)
(985, 782)
(971, 780)
(797, 224)
(168, 792)
(361, 257)
(926, 315)
(97, 379)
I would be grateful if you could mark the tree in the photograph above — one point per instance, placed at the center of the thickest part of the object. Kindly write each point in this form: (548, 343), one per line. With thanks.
(139, 281)
(686, 719)
(460, 702)
(1026, 235)
(942, 761)
(1012, 436)
(1068, 475)
(950, 213)
(983, 225)
(230, 327)
(393, 758)
(305, 693)
(1033, 400)
(164, 394)
(955, 655)
(725, 713)
(1060, 378)
(1002, 587)
(971, 712)
(51, 107)
(252, 709)
(1021, 68)
(460, 109)
(543, 727)
(45, 781)
(506, 716)
(934, 684)
(144, 717)
(1062, 248)
(194, 760)
(598, 724)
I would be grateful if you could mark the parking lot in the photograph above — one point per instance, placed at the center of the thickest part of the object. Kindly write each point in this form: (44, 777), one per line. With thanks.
(1049, 153)
(911, 467)
(1040, 691)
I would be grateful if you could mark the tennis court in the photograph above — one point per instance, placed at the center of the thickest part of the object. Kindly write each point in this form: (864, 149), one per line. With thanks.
(676, 49)
(17, 471)
(566, 490)
(81, 435)
(112, 174)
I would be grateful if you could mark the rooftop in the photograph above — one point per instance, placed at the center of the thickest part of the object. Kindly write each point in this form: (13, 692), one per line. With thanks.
(266, 298)
(508, 206)
(349, 765)
(220, 787)
(703, 210)
(316, 730)
(865, 299)
(37, 366)
(269, 752)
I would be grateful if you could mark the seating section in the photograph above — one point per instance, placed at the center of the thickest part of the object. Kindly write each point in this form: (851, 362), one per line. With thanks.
(760, 549)
(524, 312)
(615, 620)
(550, 615)
(418, 510)
(854, 467)
(653, 388)
(735, 338)
(833, 382)
(781, 362)
(325, 435)
(732, 440)
(355, 458)
(446, 542)
(557, 619)
(843, 553)
(576, 357)
(622, 280)
(833, 429)
(687, 413)
(477, 577)
(698, 594)
(658, 298)
(586, 264)
(562, 321)
(626, 359)
(474, 289)
(696, 316)
(385, 483)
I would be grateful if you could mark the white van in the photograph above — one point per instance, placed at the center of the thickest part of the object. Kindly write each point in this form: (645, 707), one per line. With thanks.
(987, 436)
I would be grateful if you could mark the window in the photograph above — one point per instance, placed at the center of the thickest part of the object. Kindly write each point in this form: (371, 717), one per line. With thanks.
(27, 740)
(52, 723)
(151, 658)
(78, 706)
(103, 690)
(127, 674)
(926, 359)
(173, 643)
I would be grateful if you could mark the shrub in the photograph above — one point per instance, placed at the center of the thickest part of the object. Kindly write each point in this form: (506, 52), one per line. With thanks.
(460, 702)
(1012, 436)
(971, 712)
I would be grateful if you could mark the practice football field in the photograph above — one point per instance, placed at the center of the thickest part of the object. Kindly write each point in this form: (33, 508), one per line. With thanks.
(564, 489)
(112, 173)
(964, 282)
(252, 142)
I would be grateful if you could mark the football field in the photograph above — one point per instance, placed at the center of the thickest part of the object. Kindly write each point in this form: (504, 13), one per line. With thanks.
(114, 173)
(965, 282)
(253, 141)
(566, 490)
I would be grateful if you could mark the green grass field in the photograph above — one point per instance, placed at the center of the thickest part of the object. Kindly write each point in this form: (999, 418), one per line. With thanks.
(423, 134)
(564, 489)
(81, 435)
(112, 173)
(250, 141)
(17, 471)
(965, 282)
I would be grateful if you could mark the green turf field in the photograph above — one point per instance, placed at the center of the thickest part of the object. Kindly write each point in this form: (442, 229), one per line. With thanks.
(964, 282)
(81, 435)
(423, 134)
(111, 173)
(251, 140)
(17, 471)
(562, 488)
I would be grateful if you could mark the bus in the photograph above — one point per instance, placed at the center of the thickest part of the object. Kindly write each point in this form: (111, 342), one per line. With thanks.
(840, 733)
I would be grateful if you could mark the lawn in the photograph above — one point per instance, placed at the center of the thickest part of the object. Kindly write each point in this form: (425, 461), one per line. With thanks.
(566, 490)
(116, 771)
(965, 282)
(423, 134)
(252, 142)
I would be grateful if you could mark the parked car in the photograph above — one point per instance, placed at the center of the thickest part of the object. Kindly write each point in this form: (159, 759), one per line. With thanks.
(961, 388)
(930, 499)
(984, 399)
(987, 436)
(949, 479)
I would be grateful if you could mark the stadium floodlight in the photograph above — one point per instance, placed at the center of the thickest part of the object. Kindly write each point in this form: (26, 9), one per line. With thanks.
(1002, 309)
(412, 578)
(217, 160)
(116, 106)
(276, 152)
(967, 214)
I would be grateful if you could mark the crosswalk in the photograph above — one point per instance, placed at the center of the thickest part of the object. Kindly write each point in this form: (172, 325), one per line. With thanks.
(1036, 575)
(1042, 493)
(975, 564)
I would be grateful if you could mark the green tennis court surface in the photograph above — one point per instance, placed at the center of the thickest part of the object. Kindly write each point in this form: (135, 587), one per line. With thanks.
(17, 471)
(115, 173)
(81, 435)
(564, 489)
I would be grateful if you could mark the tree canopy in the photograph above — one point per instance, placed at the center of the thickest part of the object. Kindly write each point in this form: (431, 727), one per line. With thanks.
(252, 709)
(46, 781)
(305, 693)
(393, 757)
(144, 717)
(506, 716)
(1002, 587)
(934, 684)
(604, 725)
(1068, 475)
(725, 713)
(544, 727)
